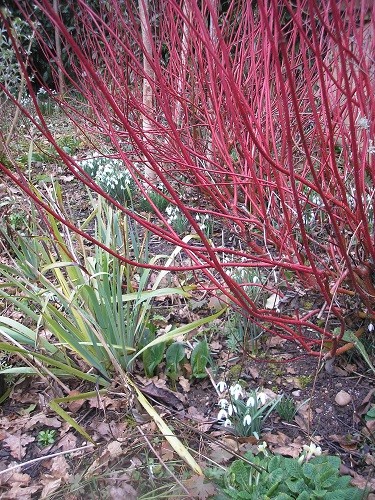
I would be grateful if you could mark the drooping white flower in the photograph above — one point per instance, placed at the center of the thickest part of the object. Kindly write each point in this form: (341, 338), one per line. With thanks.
(262, 397)
(370, 327)
(221, 386)
(222, 415)
(236, 391)
(227, 423)
(247, 420)
(231, 409)
(250, 401)
(223, 403)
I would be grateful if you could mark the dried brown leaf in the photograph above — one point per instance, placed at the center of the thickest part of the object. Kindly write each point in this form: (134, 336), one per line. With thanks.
(163, 395)
(302, 423)
(369, 428)
(17, 444)
(14, 478)
(254, 372)
(364, 407)
(74, 406)
(67, 442)
(123, 491)
(216, 346)
(198, 488)
(42, 419)
(50, 485)
(277, 439)
(166, 451)
(184, 383)
(347, 442)
(107, 402)
(219, 454)
(292, 450)
(111, 451)
(57, 468)
(359, 481)
(20, 492)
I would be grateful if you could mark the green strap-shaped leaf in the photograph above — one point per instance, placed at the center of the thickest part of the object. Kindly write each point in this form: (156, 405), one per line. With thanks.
(55, 406)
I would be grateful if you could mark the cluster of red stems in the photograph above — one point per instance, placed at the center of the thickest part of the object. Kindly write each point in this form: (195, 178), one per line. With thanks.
(265, 109)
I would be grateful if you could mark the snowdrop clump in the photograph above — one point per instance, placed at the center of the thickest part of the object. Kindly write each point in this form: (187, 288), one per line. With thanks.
(181, 225)
(176, 219)
(110, 175)
(206, 224)
(244, 411)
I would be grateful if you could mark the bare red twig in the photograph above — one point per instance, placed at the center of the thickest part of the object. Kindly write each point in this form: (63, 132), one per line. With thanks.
(267, 111)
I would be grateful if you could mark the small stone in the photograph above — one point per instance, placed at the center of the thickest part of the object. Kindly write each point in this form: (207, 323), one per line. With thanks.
(296, 393)
(343, 398)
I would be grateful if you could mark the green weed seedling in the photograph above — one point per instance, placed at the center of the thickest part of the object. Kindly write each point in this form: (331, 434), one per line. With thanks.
(304, 380)
(46, 437)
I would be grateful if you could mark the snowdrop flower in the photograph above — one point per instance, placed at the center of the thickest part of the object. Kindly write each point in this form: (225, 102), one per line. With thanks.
(227, 423)
(262, 398)
(221, 386)
(370, 327)
(222, 415)
(250, 401)
(231, 409)
(236, 391)
(223, 403)
(247, 420)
